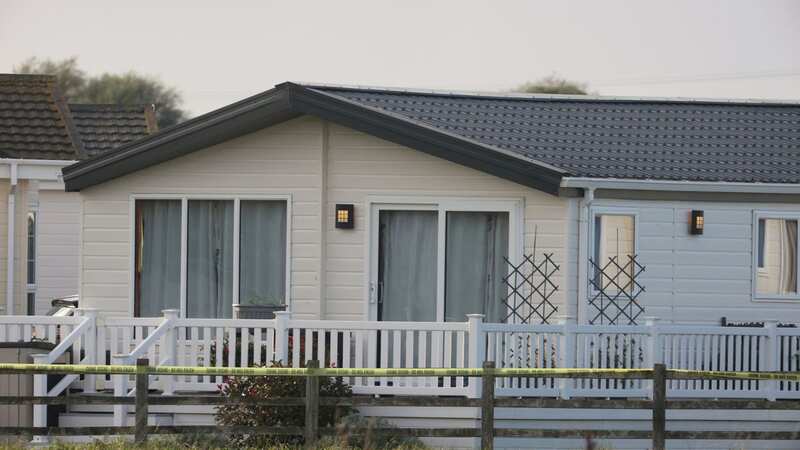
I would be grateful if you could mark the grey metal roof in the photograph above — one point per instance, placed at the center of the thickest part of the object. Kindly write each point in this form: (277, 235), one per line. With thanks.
(660, 139)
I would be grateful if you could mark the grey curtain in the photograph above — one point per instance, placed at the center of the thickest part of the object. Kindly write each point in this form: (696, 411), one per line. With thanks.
(477, 245)
(209, 277)
(262, 252)
(158, 239)
(407, 265)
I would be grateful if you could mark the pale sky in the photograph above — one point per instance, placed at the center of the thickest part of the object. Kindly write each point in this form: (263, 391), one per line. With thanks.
(217, 52)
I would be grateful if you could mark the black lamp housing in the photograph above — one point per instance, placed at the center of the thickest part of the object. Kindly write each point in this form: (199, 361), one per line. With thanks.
(345, 217)
(697, 222)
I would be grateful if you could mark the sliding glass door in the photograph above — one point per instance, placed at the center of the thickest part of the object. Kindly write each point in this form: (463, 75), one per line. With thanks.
(440, 262)
(407, 258)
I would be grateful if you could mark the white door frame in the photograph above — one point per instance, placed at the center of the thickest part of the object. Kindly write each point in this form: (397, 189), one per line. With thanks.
(514, 208)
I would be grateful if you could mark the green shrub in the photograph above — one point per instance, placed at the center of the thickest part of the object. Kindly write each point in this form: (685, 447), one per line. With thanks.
(266, 387)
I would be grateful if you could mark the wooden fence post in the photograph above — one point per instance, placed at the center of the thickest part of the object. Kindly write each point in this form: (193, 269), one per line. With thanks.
(659, 406)
(142, 388)
(312, 405)
(487, 406)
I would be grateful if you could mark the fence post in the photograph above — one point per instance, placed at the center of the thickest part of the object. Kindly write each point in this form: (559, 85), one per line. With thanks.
(312, 405)
(487, 406)
(120, 390)
(568, 354)
(282, 336)
(653, 356)
(142, 390)
(170, 350)
(90, 348)
(476, 342)
(40, 390)
(659, 406)
(773, 357)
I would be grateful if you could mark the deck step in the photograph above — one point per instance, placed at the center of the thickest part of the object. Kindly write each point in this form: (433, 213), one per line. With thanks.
(98, 419)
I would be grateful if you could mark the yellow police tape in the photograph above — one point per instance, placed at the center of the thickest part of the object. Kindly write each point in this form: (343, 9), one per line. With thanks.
(338, 372)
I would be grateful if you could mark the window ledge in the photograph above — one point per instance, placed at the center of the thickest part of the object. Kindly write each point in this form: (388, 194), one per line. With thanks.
(776, 298)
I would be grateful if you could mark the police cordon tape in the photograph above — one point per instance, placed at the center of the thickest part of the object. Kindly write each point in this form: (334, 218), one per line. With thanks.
(363, 372)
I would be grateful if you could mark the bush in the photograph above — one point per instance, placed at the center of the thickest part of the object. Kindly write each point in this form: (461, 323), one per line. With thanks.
(266, 387)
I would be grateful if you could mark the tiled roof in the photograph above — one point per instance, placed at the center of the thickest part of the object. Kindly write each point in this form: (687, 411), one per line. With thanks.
(104, 127)
(612, 138)
(36, 123)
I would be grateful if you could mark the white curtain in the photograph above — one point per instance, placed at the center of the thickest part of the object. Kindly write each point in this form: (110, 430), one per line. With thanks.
(477, 245)
(158, 259)
(789, 257)
(210, 259)
(262, 253)
(407, 265)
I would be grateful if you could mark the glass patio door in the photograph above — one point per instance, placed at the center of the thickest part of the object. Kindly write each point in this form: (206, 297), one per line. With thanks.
(407, 263)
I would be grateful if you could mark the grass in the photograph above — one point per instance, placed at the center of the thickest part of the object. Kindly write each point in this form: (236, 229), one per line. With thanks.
(204, 442)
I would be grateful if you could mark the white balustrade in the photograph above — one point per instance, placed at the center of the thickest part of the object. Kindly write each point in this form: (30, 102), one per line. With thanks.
(171, 340)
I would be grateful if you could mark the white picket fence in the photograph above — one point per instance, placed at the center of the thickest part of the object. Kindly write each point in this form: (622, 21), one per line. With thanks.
(171, 340)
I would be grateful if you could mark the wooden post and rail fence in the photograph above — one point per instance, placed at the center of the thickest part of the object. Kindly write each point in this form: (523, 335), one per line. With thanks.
(487, 402)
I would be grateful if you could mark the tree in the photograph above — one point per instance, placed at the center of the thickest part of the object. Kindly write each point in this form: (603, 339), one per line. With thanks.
(119, 89)
(553, 84)
(69, 77)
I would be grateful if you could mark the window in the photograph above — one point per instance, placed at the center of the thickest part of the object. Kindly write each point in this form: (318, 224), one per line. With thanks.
(614, 243)
(223, 265)
(776, 257)
(440, 262)
(762, 233)
(31, 265)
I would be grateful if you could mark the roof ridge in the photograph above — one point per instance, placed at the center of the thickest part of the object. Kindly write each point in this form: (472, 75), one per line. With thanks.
(27, 77)
(552, 97)
(86, 106)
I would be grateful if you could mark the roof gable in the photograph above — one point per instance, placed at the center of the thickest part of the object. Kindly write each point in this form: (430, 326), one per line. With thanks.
(532, 140)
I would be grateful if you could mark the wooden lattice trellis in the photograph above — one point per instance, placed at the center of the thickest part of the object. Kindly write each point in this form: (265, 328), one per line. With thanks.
(530, 289)
(615, 292)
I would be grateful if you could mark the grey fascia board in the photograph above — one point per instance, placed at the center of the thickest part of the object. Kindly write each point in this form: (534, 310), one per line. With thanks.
(200, 132)
(679, 186)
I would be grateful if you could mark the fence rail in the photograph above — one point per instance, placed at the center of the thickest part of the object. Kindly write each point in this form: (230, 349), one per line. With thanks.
(487, 402)
(224, 343)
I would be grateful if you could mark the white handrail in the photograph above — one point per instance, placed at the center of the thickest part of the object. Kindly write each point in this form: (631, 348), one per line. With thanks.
(148, 342)
(67, 342)
(87, 320)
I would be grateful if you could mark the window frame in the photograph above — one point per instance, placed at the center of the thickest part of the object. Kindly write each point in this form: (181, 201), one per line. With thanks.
(184, 199)
(31, 288)
(515, 208)
(592, 238)
(756, 271)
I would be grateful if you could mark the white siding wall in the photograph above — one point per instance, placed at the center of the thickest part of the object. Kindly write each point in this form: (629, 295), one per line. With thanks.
(702, 278)
(58, 245)
(284, 159)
